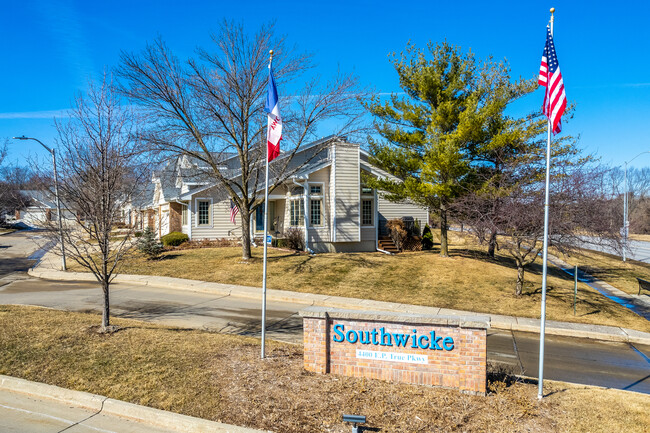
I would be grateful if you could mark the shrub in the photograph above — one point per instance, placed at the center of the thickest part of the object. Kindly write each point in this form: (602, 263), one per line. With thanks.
(149, 245)
(397, 232)
(280, 243)
(417, 230)
(137, 234)
(174, 239)
(207, 243)
(427, 238)
(295, 239)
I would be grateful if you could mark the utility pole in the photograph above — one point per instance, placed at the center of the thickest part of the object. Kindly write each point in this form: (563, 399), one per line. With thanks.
(56, 194)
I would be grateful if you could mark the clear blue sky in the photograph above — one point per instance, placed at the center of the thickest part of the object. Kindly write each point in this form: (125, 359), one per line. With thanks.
(51, 48)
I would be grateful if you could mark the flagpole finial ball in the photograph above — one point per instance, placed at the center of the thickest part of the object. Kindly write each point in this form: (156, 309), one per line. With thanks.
(552, 10)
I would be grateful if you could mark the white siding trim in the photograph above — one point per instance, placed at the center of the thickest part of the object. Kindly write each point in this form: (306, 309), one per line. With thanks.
(210, 212)
(307, 215)
(189, 220)
(376, 220)
(359, 188)
(333, 193)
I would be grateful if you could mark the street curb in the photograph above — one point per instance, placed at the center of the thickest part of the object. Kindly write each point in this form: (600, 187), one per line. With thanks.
(100, 404)
(510, 323)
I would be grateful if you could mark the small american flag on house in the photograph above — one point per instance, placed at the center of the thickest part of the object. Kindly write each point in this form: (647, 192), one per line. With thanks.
(551, 78)
(234, 210)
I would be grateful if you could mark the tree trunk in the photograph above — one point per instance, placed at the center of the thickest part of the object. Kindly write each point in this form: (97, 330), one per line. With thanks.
(444, 251)
(520, 279)
(492, 243)
(245, 234)
(106, 310)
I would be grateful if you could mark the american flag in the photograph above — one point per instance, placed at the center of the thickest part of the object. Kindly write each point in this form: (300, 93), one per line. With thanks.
(551, 78)
(234, 210)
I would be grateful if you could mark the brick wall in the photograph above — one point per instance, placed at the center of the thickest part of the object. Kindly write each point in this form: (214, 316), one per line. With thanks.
(463, 367)
(175, 217)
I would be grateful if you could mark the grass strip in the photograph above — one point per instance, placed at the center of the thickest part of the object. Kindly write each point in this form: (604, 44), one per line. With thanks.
(220, 377)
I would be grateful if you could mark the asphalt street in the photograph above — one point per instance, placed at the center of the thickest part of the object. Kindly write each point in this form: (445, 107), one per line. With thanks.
(637, 250)
(577, 360)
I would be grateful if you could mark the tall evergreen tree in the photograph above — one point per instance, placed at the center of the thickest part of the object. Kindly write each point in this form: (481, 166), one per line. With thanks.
(434, 136)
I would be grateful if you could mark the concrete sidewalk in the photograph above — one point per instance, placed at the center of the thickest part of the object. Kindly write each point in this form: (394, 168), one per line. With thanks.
(640, 304)
(34, 406)
(47, 269)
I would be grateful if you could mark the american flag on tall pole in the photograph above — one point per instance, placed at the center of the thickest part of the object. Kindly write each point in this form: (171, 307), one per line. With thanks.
(551, 78)
(234, 210)
(554, 106)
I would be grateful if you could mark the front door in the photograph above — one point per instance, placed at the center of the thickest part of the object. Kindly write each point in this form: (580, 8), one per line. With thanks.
(259, 216)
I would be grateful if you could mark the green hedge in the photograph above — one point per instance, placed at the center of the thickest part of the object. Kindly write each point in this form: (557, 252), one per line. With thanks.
(174, 239)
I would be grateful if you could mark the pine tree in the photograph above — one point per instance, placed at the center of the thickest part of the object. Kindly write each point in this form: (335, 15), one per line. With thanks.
(433, 136)
(149, 245)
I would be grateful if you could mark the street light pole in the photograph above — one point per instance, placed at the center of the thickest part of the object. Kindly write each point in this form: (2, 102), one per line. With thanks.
(625, 222)
(625, 211)
(56, 194)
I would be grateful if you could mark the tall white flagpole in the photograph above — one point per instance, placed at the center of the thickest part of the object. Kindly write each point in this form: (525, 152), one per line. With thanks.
(266, 220)
(542, 322)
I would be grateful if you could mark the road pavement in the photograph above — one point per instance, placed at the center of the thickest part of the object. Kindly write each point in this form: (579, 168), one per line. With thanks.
(637, 250)
(579, 360)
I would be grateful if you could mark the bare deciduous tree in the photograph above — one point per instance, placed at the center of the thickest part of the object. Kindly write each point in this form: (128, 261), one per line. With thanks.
(212, 107)
(99, 161)
(11, 198)
(580, 214)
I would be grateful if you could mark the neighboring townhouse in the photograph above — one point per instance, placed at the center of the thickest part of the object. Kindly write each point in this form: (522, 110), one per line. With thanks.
(41, 209)
(325, 198)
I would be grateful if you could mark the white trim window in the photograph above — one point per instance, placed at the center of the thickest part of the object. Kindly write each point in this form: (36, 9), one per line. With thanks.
(297, 211)
(203, 212)
(184, 214)
(316, 204)
(367, 207)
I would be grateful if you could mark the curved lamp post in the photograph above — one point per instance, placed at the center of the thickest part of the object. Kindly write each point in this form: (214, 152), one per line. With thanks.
(625, 222)
(56, 194)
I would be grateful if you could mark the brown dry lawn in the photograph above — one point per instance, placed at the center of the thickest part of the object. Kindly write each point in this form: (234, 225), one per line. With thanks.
(467, 280)
(612, 269)
(221, 378)
(635, 237)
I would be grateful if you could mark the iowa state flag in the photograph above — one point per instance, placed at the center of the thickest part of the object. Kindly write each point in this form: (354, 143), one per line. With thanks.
(274, 130)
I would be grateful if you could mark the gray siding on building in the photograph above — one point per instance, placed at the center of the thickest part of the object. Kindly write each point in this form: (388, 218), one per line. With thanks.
(322, 232)
(389, 210)
(346, 193)
(220, 226)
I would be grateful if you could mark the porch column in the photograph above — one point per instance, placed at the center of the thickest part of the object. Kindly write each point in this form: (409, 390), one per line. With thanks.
(307, 214)
(189, 219)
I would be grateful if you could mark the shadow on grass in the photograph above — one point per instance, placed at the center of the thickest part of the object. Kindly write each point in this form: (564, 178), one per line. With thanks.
(168, 257)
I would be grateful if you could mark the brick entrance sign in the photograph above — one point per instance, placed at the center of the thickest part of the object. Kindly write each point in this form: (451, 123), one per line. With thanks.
(447, 351)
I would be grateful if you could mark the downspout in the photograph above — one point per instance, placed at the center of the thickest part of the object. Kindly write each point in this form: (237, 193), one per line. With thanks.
(189, 235)
(377, 226)
(252, 229)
